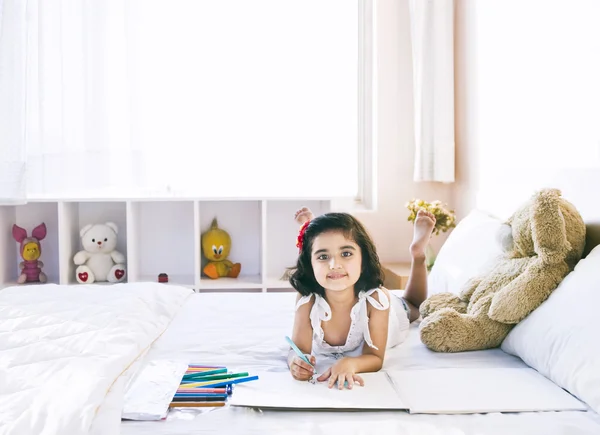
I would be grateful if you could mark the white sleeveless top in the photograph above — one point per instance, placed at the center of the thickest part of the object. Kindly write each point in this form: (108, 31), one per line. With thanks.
(359, 328)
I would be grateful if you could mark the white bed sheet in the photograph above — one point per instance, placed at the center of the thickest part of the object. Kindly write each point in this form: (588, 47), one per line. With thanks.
(246, 331)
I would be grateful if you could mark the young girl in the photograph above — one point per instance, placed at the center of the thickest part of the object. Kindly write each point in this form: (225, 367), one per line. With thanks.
(342, 309)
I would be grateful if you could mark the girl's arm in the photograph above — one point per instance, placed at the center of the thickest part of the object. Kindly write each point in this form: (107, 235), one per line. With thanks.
(302, 337)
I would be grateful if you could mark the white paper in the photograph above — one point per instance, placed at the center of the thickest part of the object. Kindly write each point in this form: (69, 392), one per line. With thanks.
(152, 390)
(482, 390)
(435, 391)
(280, 390)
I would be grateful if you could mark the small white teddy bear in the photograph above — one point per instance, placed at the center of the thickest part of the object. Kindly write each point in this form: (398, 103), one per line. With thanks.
(99, 261)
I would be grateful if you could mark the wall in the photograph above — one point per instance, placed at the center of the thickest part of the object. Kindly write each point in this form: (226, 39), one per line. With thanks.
(527, 109)
(527, 104)
(388, 224)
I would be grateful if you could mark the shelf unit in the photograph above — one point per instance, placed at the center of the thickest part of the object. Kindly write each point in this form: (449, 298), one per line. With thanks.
(163, 236)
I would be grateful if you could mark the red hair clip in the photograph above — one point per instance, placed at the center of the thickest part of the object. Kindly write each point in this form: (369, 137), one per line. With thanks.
(300, 240)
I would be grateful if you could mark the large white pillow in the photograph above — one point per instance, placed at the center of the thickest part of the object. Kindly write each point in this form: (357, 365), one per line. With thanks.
(561, 338)
(469, 250)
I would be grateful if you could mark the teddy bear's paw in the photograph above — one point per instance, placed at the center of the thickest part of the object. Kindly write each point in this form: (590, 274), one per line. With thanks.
(22, 279)
(441, 330)
(43, 278)
(442, 300)
(84, 275)
(116, 273)
(235, 270)
(449, 331)
(118, 257)
(80, 258)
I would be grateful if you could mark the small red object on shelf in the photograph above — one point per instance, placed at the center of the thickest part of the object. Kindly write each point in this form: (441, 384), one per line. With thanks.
(163, 277)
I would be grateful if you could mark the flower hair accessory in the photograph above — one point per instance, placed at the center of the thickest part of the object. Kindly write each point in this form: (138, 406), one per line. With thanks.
(300, 241)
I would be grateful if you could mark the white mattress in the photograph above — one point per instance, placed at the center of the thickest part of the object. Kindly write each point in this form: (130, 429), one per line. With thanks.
(246, 331)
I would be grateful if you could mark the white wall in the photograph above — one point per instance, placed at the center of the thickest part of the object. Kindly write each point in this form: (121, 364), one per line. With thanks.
(388, 224)
(527, 103)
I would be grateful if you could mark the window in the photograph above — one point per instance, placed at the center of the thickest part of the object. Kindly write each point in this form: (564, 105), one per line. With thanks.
(193, 98)
(259, 98)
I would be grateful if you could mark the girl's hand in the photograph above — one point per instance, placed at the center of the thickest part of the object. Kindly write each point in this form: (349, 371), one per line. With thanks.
(342, 371)
(299, 369)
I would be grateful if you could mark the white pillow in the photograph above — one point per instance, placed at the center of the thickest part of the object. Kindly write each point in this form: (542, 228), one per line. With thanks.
(561, 338)
(468, 251)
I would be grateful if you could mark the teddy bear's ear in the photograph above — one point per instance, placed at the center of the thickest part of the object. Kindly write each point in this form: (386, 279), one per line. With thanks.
(85, 230)
(113, 226)
(549, 232)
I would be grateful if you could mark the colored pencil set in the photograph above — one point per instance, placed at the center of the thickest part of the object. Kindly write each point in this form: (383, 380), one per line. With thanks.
(207, 386)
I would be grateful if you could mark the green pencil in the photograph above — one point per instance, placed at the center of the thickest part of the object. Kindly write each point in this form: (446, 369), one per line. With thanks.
(205, 373)
(199, 378)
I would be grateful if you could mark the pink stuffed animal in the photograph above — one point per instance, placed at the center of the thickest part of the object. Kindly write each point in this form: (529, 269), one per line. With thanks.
(31, 250)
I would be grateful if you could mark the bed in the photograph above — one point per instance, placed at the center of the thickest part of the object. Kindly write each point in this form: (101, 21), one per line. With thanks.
(68, 354)
(208, 329)
(245, 331)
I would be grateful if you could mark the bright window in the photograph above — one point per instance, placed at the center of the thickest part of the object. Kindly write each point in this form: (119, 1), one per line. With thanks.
(198, 98)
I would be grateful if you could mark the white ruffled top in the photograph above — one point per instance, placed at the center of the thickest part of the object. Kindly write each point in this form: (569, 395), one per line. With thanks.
(359, 332)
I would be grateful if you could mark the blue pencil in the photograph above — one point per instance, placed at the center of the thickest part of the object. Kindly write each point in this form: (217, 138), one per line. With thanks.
(197, 399)
(221, 396)
(232, 381)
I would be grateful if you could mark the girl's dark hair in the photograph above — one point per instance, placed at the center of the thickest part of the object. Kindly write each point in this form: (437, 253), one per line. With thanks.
(303, 278)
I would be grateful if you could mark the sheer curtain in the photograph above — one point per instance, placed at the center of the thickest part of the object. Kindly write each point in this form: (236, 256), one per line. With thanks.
(65, 100)
(432, 33)
(13, 37)
(178, 98)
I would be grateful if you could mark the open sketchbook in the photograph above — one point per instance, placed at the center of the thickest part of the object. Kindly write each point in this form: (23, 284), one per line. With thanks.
(434, 391)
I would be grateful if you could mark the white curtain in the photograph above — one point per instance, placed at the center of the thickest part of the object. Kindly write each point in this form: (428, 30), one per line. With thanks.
(206, 98)
(13, 41)
(68, 106)
(432, 33)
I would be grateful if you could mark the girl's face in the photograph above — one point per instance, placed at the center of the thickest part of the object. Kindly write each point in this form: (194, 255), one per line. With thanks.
(336, 261)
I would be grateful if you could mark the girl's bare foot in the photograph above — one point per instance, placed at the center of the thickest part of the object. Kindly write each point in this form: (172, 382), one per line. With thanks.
(423, 228)
(303, 215)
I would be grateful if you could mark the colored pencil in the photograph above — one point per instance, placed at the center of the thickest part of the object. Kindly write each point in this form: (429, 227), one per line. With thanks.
(204, 370)
(196, 404)
(224, 383)
(214, 377)
(197, 366)
(202, 390)
(203, 373)
(199, 399)
(220, 396)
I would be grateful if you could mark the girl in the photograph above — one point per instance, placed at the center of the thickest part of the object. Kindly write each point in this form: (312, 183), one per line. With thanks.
(342, 309)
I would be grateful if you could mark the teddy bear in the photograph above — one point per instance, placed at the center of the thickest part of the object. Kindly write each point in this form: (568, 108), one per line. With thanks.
(99, 260)
(542, 242)
(216, 245)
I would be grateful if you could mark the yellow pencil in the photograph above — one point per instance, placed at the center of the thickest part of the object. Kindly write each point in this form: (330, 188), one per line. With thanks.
(201, 384)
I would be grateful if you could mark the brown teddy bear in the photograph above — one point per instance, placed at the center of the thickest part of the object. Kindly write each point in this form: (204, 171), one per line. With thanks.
(542, 243)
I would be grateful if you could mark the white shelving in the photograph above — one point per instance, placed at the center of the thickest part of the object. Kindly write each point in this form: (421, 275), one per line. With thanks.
(163, 236)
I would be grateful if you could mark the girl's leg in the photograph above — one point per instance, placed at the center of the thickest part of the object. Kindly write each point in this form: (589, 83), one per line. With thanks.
(416, 288)
(303, 215)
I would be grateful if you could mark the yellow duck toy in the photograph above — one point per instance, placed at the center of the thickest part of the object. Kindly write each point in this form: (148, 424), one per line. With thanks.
(216, 245)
